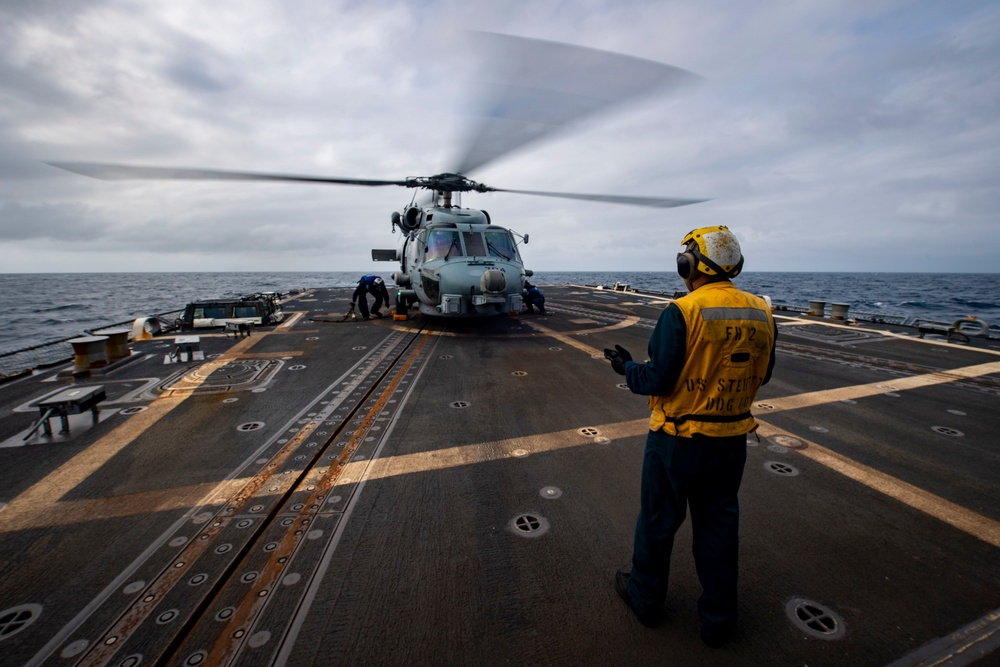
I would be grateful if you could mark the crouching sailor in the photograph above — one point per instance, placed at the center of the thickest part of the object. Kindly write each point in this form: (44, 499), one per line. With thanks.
(533, 298)
(375, 286)
(710, 352)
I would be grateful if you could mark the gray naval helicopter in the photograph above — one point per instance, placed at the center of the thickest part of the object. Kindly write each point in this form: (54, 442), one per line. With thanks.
(454, 261)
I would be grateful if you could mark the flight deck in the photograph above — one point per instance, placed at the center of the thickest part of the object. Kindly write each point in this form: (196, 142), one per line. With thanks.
(454, 492)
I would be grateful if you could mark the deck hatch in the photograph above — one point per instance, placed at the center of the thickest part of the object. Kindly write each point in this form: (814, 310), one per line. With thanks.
(219, 376)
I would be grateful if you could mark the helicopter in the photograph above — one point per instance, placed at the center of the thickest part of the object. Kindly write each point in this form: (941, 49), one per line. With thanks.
(455, 261)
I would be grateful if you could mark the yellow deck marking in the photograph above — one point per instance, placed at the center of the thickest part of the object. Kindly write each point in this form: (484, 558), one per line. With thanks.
(815, 398)
(39, 504)
(967, 521)
(269, 355)
(789, 320)
(568, 339)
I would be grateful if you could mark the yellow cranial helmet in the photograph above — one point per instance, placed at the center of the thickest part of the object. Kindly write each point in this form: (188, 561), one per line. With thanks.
(715, 250)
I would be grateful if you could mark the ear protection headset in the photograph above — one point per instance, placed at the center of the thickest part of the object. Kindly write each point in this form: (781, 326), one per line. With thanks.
(685, 261)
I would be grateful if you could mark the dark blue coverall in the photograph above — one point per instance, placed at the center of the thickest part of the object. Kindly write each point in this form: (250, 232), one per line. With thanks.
(703, 473)
(533, 298)
(370, 285)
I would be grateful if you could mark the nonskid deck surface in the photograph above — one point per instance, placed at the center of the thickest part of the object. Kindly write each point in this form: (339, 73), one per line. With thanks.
(462, 492)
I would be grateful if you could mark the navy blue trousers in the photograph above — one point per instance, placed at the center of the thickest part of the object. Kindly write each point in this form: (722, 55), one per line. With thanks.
(363, 302)
(704, 474)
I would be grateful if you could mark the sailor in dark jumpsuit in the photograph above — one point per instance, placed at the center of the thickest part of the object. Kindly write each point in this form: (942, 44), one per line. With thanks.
(708, 355)
(533, 298)
(370, 285)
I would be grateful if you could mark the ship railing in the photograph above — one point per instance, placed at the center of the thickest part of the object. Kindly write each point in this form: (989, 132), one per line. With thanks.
(21, 361)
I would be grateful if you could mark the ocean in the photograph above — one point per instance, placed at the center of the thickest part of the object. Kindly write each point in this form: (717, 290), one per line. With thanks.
(40, 308)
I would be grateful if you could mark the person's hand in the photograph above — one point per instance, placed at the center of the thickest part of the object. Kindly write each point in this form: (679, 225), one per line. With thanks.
(618, 357)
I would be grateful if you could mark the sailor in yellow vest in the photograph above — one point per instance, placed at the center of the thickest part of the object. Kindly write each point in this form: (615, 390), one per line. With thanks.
(710, 352)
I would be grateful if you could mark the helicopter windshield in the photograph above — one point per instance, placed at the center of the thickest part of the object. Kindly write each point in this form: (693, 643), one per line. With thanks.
(443, 243)
(500, 244)
(474, 246)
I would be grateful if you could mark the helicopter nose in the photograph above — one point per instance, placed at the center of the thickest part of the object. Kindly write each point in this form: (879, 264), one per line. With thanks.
(493, 281)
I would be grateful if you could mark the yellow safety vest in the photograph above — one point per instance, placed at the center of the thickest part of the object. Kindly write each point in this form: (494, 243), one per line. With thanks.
(730, 334)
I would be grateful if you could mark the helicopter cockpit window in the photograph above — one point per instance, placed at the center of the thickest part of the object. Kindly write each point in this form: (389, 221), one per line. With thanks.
(443, 243)
(474, 246)
(500, 244)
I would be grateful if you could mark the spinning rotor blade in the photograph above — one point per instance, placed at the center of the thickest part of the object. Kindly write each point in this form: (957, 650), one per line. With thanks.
(652, 202)
(121, 172)
(536, 87)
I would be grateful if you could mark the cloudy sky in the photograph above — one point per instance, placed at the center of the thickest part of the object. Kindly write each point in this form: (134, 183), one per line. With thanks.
(829, 135)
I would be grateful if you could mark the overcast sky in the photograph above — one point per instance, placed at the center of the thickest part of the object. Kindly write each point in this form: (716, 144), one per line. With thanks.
(830, 136)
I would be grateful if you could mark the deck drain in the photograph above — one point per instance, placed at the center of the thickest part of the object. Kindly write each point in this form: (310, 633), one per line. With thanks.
(788, 441)
(765, 406)
(779, 468)
(529, 525)
(945, 430)
(622, 385)
(17, 618)
(819, 429)
(520, 453)
(460, 404)
(589, 430)
(815, 619)
(230, 400)
(133, 410)
(555, 349)
(550, 492)
(446, 356)
(957, 412)
(296, 367)
(519, 374)
(250, 426)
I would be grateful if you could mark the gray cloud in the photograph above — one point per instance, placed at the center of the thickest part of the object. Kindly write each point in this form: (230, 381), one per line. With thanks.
(824, 133)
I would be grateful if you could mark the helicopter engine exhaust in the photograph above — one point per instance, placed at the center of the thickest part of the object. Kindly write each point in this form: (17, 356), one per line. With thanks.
(409, 221)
